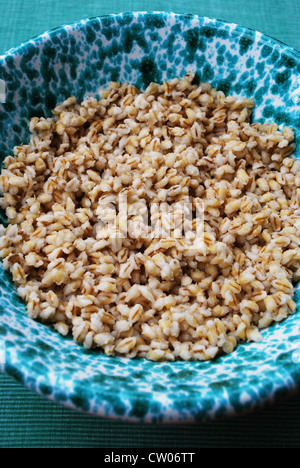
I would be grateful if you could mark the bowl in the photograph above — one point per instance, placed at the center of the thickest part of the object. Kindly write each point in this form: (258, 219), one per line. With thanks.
(139, 47)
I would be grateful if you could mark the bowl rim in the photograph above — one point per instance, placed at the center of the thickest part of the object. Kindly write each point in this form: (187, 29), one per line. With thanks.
(11, 369)
(237, 26)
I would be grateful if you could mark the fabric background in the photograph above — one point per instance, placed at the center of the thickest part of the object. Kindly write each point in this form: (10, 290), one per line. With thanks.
(30, 421)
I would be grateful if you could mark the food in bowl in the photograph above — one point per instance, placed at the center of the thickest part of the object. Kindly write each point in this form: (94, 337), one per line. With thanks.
(161, 224)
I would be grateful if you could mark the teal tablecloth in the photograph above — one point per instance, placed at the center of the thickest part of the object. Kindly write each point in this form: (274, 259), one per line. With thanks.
(30, 421)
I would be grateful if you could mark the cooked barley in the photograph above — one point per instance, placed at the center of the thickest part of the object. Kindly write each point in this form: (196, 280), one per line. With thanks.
(78, 241)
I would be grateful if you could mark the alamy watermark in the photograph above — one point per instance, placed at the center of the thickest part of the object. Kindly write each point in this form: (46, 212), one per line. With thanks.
(121, 218)
(2, 92)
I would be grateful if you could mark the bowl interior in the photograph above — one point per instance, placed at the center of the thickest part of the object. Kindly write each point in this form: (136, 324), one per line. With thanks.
(80, 59)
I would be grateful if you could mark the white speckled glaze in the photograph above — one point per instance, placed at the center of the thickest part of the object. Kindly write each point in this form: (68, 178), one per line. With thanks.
(79, 59)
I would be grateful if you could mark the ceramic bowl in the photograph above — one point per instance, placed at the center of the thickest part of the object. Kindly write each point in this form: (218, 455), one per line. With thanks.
(79, 59)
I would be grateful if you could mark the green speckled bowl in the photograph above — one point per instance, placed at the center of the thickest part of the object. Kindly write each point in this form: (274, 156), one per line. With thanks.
(78, 59)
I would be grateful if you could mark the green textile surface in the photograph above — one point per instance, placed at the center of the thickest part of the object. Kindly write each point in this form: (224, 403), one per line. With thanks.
(21, 19)
(30, 421)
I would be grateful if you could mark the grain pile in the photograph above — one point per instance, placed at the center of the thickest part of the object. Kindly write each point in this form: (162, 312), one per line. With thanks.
(85, 257)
